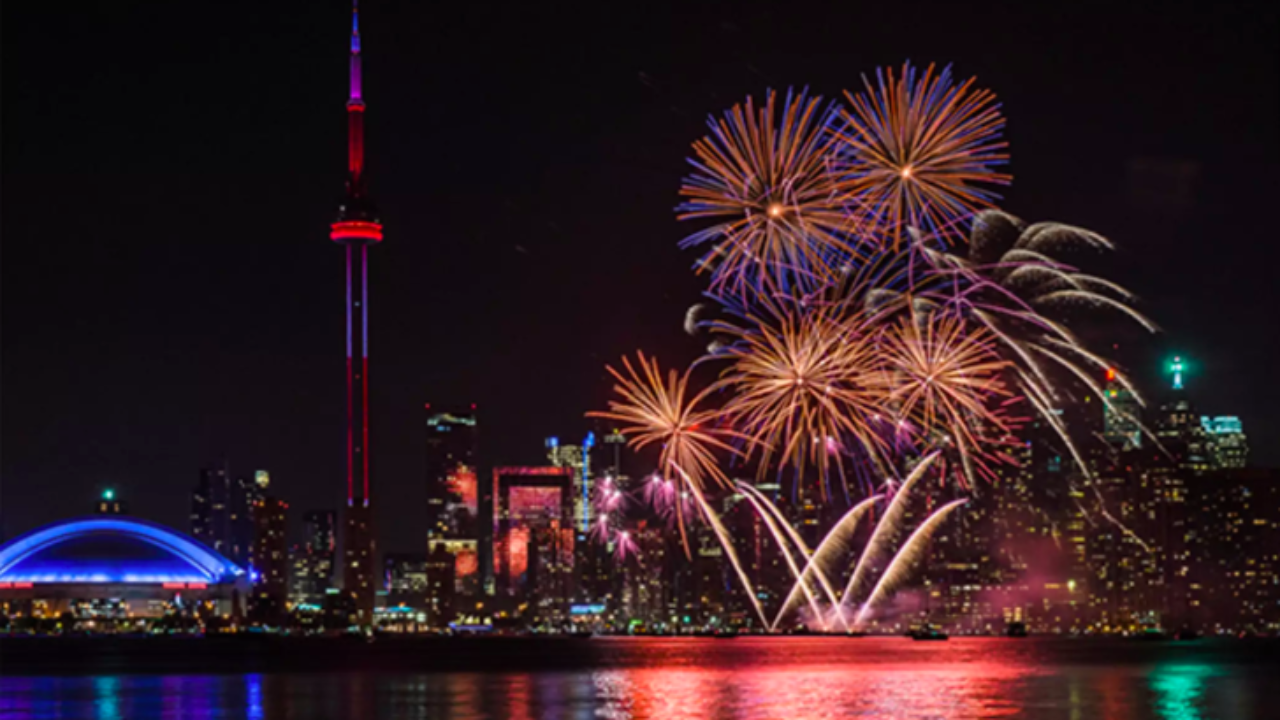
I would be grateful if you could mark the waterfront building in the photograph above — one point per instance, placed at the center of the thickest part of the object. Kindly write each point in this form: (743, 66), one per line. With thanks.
(269, 566)
(534, 535)
(139, 565)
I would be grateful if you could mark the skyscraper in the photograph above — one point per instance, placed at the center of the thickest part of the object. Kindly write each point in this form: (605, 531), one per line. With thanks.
(357, 229)
(1227, 446)
(533, 537)
(313, 563)
(452, 486)
(1121, 422)
(222, 514)
(576, 458)
(270, 560)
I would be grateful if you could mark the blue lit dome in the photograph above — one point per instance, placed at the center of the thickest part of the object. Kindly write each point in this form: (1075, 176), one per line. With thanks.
(111, 550)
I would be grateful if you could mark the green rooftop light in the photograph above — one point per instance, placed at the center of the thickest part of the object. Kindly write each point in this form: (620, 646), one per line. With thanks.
(1177, 367)
(108, 494)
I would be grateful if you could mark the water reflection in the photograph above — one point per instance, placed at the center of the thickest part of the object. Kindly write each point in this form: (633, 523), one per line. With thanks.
(1179, 690)
(739, 680)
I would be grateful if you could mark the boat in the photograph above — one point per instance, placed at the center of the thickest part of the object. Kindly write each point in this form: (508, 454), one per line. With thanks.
(1016, 630)
(1186, 634)
(927, 632)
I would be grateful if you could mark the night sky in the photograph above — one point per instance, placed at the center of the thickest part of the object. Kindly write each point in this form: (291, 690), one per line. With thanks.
(171, 298)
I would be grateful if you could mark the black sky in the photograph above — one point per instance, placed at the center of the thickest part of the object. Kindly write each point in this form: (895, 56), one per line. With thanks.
(170, 296)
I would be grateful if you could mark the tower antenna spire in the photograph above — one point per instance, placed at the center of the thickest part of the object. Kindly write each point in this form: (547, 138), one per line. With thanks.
(355, 97)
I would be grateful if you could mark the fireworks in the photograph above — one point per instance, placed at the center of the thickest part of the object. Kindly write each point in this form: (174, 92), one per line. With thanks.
(821, 565)
(660, 411)
(764, 177)
(804, 378)
(945, 375)
(849, 335)
(920, 151)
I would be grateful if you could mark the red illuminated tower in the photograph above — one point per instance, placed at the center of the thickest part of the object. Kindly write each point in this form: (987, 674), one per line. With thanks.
(357, 229)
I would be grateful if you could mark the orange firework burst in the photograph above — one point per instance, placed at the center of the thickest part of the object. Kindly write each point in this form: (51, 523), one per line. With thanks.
(780, 211)
(804, 379)
(946, 373)
(917, 149)
(660, 411)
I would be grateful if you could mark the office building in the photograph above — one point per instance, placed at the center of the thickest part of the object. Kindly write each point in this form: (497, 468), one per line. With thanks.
(534, 537)
(577, 459)
(269, 567)
(222, 512)
(453, 500)
(405, 578)
(1226, 444)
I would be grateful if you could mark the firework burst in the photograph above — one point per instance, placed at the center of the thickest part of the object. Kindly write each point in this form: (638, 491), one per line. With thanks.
(919, 151)
(946, 375)
(764, 177)
(804, 379)
(661, 411)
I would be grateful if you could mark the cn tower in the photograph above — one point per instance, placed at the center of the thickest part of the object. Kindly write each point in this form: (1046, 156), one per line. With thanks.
(357, 229)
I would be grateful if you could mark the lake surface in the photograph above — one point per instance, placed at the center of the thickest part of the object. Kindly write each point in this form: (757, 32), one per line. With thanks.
(632, 678)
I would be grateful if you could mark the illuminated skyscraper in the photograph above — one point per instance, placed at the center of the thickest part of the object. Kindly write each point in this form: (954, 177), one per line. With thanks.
(576, 458)
(222, 513)
(405, 577)
(452, 487)
(270, 560)
(1122, 424)
(357, 228)
(1227, 446)
(534, 538)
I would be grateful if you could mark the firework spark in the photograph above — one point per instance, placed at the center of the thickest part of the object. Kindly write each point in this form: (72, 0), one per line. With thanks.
(623, 546)
(905, 558)
(920, 152)
(832, 545)
(764, 176)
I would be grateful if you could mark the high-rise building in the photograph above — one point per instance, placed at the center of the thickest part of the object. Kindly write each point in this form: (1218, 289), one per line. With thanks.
(534, 537)
(270, 562)
(1235, 556)
(453, 502)
(441, 586)
(405, 579)
(357, 228)
(576, 458)
(615, 447)
(221, 513)
(312, 564)
(1227, 446)
(319, 528)
(1122, 420)
(645, 596)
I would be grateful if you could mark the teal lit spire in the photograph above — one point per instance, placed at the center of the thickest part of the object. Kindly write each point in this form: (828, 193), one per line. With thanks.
(1177, 368)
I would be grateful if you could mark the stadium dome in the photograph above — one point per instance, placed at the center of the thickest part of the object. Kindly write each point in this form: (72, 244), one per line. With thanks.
(112, 551)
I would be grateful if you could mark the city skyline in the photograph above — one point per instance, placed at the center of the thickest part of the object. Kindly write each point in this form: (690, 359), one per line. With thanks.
(139, 450)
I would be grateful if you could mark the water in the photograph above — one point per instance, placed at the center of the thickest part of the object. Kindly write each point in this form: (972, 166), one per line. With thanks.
(747, 678)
